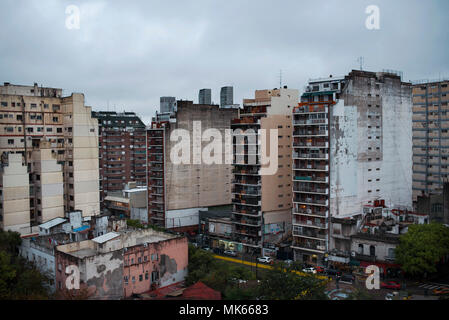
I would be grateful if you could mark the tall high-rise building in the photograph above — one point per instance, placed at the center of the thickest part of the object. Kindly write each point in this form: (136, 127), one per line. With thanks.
(226, 96)
(33, 118)
(178, 190)
(167, 104)
(430, 137)
(352, 147)
(122, 143)
(205, 96)
(262, 201)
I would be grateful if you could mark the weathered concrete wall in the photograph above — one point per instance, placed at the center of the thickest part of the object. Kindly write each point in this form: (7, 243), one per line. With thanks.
(157, 265)
(371, 145)
(195, 185)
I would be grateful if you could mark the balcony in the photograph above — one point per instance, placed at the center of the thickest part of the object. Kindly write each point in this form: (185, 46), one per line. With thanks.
(312, 179)
(247, 191)
(318, 212)
(248, 222)
(308, 233)
(306, 188)
(321, 156)
(307, 133)
(250, 182)
(311, 167)
(245, 172)
(311, 201)
(307, 145)
(311, 109)
(310, 122)
(310, 224)
(247, 202)
(309, 246)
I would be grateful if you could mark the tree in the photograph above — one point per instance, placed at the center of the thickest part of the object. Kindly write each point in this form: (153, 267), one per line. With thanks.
(422, 248)
(282, 283)
(19, 279)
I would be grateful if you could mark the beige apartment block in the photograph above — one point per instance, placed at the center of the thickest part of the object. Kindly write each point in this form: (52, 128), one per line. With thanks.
(14, 194)
(262, 197)
(48, 184)
(178, 191)
(31, 115)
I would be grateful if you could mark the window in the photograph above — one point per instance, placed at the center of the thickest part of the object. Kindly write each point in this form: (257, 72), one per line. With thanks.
(154, 257)
(140, 277)
(372, 251)
(126, 280)
(146, 275)
(134, 279)
(10, 141)
(360, 248)
(4, 104)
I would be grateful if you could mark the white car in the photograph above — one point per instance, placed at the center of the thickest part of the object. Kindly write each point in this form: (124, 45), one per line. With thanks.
(309, 270)
(230, 253)
(265, 259)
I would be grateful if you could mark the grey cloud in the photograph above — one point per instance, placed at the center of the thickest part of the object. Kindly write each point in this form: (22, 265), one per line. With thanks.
(132, 52)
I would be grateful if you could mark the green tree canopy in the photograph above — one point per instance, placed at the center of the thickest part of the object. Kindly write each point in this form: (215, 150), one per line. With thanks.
(282, 283)
(422, 247)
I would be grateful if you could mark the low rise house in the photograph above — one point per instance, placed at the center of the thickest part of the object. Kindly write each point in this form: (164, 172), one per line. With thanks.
(129, 203)
(120, 264)
(378, 236)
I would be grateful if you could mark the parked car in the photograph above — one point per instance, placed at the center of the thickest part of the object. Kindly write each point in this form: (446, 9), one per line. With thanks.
(332, 272)
(391, 296)
(288, 262)
(309, 270)
(265, 260)
(230, 253)
(442, 291)
(319, 269)
(207, 249)
(347, 278)
(390, 285)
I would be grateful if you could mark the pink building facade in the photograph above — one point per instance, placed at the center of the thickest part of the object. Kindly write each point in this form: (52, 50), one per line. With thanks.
(120, 264)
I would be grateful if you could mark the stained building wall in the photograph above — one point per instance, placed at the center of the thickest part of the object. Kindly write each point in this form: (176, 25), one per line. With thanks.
(195, 185)
(371, 145)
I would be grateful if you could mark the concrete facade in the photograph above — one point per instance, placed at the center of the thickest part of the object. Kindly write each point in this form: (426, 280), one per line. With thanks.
(31, 115)
(430, 137)
(357, 144)
(177, 191)
(122, 151)
(262, 199)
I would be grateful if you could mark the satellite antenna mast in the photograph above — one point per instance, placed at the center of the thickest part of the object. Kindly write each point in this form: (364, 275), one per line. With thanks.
(280, 79)
(361, 60)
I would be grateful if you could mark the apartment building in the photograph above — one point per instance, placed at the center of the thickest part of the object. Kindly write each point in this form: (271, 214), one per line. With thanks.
(34, 118)
(178, 190)
(226, 96)
(205, 96)
(262, 201)
(122, 151)
(430, 137)
(352, 146)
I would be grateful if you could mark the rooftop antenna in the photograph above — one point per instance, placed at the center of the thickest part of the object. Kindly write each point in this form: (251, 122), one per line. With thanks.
(280, 79)
(361, 60)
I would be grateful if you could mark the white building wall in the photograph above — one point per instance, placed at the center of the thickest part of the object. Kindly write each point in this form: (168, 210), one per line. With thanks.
(352, 176)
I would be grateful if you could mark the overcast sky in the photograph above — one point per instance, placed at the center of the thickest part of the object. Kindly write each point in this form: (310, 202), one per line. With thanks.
(129, 53)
